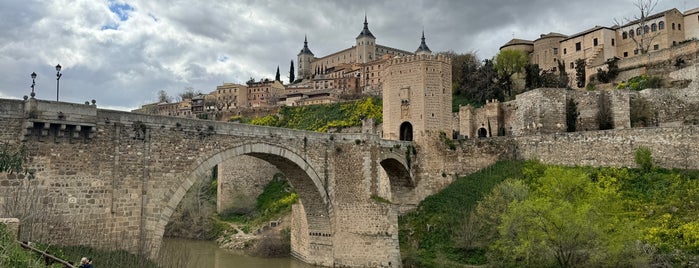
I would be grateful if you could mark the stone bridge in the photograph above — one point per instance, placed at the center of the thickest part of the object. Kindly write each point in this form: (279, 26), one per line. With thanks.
(112, 179)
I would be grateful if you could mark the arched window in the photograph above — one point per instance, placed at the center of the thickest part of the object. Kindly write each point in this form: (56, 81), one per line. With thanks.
(624, 35)
(631, 33)
(406, 131)
(661, 25)
(653, 27)
(646, 29)
(638, 31)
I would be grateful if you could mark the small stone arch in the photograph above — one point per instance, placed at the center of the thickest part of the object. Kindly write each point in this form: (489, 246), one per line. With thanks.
(482, 132)
(400, 178)
(299, 172)
(406, 131)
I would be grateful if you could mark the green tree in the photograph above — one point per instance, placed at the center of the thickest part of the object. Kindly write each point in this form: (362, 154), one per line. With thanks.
(580, 72)
(606, 76)
(291, 72)
(644, 159)
(572, 115)
(604, 112)
(568, 221)
(509, 62)
(277, 77)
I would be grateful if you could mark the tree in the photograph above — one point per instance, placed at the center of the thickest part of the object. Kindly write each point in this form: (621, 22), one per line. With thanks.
(567, 221)
(606, 76)
(163, 97)
(572, 115)
(641, 35)
(604, 112)
(188, 93)
(291, 72)
(509, 62)
(277, 77)
(580, 72)
(563, 79)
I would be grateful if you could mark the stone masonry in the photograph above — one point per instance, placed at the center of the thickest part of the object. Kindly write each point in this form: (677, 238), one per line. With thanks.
(112, 179)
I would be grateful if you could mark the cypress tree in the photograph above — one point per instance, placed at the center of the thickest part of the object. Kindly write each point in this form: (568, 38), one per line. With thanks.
(277, 77)
(291, 73)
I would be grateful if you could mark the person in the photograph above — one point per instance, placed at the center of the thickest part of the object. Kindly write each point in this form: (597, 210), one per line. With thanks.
(85, 263)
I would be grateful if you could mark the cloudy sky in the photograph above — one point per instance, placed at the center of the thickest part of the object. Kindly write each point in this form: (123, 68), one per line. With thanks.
(122, 52)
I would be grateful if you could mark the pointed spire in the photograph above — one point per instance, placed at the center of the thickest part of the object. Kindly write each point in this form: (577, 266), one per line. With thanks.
(305, 49)
(365, 32)
(423, 49)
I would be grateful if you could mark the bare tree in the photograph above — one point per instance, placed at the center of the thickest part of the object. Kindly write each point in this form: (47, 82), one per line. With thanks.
(640, 31)
(163, 97)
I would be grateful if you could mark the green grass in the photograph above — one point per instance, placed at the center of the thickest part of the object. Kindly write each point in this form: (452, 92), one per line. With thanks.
(426, 234)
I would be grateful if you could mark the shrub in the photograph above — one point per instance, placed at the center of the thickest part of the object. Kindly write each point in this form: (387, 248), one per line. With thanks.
(644, 159)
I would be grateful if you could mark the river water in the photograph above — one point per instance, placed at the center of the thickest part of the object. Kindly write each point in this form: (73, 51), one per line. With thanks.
(185, 253)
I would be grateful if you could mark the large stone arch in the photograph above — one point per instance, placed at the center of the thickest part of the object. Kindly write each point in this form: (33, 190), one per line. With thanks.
(298, 170)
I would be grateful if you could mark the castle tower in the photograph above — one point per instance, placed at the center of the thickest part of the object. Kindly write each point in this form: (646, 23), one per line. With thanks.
(304, 59)
(423, 49)
(417, 97)
(366, 45)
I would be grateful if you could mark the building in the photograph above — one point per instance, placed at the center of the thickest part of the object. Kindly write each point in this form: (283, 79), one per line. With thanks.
(264, 93)
(663, 30)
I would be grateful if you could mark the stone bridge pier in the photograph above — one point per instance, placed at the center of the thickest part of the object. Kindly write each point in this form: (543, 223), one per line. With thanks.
(112, 179)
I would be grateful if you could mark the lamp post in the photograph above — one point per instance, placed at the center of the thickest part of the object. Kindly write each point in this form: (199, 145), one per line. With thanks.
(33, 83)
(58, 77)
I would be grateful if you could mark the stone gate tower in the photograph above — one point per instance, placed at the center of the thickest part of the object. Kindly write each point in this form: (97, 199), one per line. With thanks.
(417, 96)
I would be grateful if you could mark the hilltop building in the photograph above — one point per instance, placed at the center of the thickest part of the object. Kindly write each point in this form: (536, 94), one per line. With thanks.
(657, 32)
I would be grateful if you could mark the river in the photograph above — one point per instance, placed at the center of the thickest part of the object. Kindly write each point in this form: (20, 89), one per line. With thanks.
(186, 253)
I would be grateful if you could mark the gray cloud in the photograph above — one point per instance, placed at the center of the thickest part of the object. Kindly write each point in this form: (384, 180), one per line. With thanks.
(172, 44)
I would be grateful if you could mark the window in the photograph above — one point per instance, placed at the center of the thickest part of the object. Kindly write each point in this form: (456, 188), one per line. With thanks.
(564, 51)
(555, 51)
(624, 35)
(572, 65)
(612, 41)
(635, 51)
(626, 54)
(673, 25)
(594, 42)
(653, 27)
(638, 31)
(656, 47)
(578, 47)
(679, 27)
(646, 29)
(631, 33)
(661, 25)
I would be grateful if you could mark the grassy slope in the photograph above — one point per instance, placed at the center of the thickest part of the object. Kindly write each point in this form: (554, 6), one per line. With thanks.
(443, 213)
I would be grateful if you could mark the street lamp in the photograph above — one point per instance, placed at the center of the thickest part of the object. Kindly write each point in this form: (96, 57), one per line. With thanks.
(33, 83)
(58, 77)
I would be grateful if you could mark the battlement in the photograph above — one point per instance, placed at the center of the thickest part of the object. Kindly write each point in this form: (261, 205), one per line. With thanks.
(412, 58)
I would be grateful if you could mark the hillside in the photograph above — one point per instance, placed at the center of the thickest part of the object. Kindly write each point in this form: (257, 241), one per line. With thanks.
(324, 116)
(528, 214)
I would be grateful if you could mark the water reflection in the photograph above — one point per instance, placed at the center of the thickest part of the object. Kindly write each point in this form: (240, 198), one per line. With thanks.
(185, 253)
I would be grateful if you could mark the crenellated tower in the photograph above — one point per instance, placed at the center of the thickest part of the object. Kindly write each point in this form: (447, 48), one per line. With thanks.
(417, 97)
(366, 45)
(303, 61)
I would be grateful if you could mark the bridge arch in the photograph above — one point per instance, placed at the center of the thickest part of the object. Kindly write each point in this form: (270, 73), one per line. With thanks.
(396, 169)
(299, 171)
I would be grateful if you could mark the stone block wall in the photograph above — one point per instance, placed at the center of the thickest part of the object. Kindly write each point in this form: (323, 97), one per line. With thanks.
(241, 180)
(540, 111)
(672, 147)
(12, 225)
